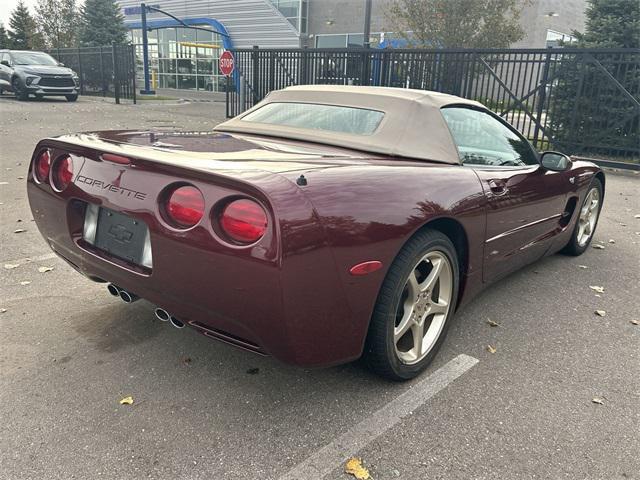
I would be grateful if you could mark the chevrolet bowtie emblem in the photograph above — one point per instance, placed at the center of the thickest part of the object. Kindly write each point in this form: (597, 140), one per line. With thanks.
(120, 233)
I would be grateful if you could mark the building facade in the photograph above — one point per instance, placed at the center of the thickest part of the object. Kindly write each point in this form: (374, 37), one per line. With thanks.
(187, 58)
(339, 23)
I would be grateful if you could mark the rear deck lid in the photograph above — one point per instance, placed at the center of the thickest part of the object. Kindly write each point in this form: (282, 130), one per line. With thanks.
(215, 151)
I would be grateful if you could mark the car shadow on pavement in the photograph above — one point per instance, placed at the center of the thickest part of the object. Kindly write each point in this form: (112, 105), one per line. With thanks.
(114, 327)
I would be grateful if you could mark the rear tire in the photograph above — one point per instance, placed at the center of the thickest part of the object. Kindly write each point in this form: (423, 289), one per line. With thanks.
(587, 220)
(71, 98)
(18, 91)
(418, 297)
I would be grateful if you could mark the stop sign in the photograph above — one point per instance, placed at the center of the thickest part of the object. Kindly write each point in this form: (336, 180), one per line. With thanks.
(226, 63)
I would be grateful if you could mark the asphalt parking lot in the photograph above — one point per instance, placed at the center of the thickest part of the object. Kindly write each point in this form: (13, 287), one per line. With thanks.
(69, 352)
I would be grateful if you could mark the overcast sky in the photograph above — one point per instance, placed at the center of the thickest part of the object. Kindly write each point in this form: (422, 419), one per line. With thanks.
(7, 5)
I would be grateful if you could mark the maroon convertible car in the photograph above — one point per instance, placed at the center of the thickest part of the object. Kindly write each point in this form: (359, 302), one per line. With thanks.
(323, 224)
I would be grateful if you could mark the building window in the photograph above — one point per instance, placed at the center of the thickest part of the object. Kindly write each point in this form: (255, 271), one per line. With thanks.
(351, 40)
(295, 11)
(331, 41)
(182, 58)
(558, 39)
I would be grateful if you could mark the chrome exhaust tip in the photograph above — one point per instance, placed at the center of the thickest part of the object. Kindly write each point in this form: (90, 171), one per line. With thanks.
(128, 297)
(162, 315)
(176, 323)
(113, 290)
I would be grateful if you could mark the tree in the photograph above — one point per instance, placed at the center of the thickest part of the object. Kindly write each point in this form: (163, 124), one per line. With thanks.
(57, 20)
(458, 23)
(612, 24)
(102, 23)
(23, 33)
(4, 38)
(587, 104)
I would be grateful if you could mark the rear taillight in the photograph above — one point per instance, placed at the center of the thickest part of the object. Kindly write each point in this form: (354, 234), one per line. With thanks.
(62, 173)
(185, 206)
(42, 166)
(243, 221)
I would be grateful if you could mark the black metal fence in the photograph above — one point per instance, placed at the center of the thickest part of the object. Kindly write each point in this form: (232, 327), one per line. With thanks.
(103, 71)
(581, 101)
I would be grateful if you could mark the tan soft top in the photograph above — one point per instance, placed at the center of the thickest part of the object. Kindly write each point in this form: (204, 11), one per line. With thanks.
(412, 126)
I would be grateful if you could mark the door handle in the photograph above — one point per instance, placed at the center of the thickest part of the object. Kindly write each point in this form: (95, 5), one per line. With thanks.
(498, 187)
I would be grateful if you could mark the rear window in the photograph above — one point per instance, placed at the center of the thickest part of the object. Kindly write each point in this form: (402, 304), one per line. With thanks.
(312, 116)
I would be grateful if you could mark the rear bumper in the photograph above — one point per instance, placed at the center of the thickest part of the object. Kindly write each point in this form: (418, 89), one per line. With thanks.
(290, 306)
(204, 317)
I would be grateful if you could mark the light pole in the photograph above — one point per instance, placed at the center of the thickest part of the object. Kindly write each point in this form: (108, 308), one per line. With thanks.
(145, 52)
(367, 24)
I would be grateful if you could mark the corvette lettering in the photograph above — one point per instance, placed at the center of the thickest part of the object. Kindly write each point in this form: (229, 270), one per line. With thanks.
(126, 192)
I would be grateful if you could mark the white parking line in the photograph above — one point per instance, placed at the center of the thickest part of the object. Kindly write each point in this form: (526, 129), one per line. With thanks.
(334, 454)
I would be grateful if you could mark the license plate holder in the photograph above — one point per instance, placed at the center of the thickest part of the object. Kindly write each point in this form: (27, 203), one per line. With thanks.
(120, 235)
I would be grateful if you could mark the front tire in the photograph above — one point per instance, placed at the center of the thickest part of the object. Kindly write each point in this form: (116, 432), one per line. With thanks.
(587, 221)
(71, 98)
(18, 91)
(414, 307)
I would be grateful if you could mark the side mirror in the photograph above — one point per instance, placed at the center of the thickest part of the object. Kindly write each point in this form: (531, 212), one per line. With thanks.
(60, 64)
(5, 63)
(555, 161)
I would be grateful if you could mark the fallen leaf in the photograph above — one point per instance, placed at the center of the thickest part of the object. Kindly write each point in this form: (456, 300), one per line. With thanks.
(596, 288)
(491, 349)
(598, 246)
(635, 322)
(492, 323)
(127, 401)
(584, 267)
(19, 230)
(600, 313)
(598, 400)
(11, 266)
(44, 269)
(354, 467)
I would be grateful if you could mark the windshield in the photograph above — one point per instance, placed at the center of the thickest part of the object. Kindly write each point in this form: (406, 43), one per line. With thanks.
(32, 58)
(333, 118)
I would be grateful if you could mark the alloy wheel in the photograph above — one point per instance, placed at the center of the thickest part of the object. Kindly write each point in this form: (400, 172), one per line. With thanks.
(588, 216)
(423, 307)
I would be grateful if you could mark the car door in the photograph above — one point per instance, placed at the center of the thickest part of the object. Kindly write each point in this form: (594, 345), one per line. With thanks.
(525, 202)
